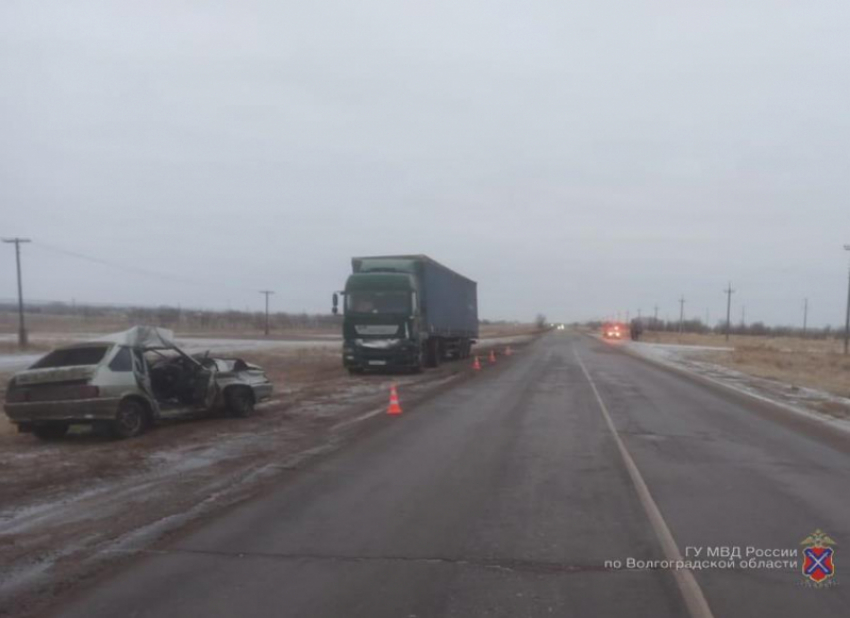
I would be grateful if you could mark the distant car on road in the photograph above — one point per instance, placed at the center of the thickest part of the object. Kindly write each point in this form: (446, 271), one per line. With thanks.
(125, 382)
(614, 330)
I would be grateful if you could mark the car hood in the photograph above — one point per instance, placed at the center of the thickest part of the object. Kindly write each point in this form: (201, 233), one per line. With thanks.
(226, 365)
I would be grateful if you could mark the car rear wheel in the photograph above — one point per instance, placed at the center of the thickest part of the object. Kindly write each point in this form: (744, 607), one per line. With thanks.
(51, 431)
(130, 420)
(240, 402)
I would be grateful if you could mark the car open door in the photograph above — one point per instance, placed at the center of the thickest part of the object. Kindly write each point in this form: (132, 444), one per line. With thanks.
(204, 388)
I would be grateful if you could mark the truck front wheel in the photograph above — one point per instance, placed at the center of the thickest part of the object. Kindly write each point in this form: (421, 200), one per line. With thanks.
(416, 367)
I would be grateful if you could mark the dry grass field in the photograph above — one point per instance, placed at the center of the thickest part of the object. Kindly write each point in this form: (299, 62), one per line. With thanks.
(812, 363)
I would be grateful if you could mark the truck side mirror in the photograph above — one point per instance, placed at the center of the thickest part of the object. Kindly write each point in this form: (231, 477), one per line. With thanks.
(335, 308)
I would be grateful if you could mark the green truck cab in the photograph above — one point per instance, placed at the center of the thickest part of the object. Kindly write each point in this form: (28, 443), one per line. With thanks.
(406, 312)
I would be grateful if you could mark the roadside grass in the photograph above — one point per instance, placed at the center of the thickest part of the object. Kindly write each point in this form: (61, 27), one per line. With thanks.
(810, 363)
(826, 371)
(6, 428)
(506, 330)
(42, 327)
(792, 344)
(34, 347)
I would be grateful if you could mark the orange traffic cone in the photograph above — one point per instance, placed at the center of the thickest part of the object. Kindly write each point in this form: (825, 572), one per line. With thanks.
(394, 407)
(477, 364)
(508, 351)
(492, 356)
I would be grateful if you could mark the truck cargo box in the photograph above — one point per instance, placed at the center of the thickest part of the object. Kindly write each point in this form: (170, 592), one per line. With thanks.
(449, 300)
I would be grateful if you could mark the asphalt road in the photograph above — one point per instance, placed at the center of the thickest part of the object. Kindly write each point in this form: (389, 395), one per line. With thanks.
(506, 495)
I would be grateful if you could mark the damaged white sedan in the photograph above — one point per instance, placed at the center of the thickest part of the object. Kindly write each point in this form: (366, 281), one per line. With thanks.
(124, 382)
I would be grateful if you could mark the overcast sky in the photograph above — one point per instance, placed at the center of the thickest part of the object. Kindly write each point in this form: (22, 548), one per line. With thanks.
(575, 158)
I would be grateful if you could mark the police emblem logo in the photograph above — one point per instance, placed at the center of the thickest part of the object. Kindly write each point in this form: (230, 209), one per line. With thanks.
(818, 557)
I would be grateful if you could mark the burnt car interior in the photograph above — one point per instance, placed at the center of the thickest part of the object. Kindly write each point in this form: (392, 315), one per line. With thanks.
(179, 380)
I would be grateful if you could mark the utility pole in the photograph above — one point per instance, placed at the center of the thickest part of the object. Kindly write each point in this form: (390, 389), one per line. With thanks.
(805, 315)
(728, 291)
(267, 294)
(847, 319)
(681, 313)
(22, 330)
(743, 316)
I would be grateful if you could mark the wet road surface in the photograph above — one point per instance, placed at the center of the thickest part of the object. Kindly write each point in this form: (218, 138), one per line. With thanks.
(510, 495)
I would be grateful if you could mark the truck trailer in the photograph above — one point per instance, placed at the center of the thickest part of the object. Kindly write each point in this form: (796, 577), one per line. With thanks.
(405, 312)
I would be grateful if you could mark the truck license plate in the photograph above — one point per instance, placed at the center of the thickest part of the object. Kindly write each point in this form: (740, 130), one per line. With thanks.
(378, 362)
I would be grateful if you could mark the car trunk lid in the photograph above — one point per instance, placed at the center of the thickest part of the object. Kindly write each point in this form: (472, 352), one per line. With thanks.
(49, 375)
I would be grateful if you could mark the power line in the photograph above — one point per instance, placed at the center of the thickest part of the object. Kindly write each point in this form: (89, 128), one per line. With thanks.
(116, 265)
(135, 269)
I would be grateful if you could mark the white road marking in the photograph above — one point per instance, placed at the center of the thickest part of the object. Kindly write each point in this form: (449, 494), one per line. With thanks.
(358, 419)
(685, 580)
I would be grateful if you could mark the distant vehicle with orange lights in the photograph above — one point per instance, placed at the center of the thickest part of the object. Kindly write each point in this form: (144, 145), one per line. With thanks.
(614, 330)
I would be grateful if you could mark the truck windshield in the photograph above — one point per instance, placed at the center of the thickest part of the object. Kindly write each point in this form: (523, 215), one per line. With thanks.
(378, 302)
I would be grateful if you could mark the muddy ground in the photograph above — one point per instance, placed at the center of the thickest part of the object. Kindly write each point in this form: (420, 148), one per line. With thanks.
(70, 508)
